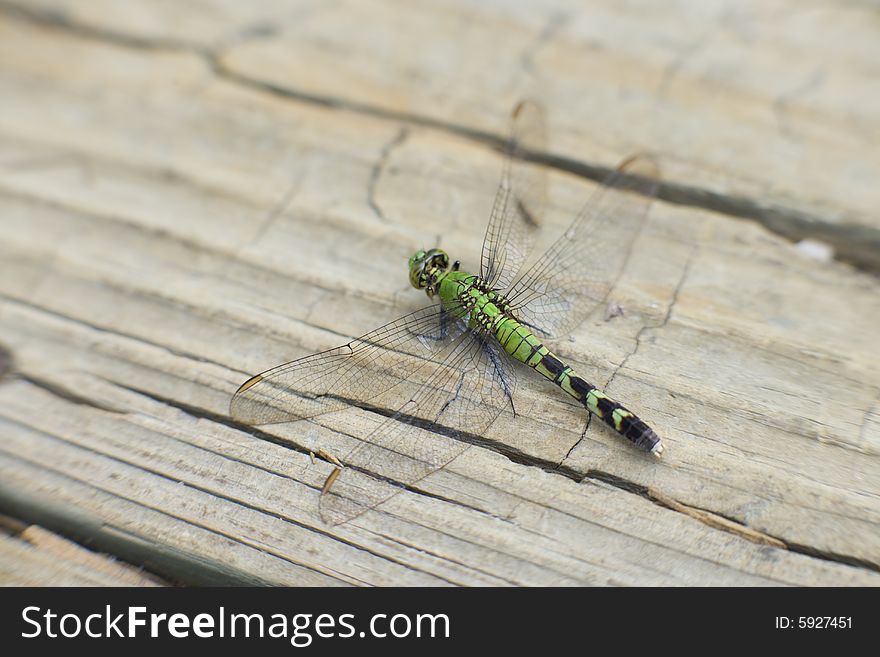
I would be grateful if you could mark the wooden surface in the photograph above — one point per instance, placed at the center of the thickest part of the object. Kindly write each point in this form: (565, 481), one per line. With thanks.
(32, 556)
(191, 195)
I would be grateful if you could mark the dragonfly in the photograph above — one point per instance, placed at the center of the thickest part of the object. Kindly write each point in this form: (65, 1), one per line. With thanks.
(440, 376)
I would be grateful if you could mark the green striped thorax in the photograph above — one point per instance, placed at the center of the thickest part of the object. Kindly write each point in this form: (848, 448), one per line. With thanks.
(427, 269)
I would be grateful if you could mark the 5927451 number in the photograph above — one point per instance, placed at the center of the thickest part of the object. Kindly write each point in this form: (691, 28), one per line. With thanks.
(824, 622)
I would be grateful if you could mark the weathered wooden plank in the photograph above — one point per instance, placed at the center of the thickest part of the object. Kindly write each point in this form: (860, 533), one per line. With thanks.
(531, 542)
(766, 109)
(144, 276)
(36, 557)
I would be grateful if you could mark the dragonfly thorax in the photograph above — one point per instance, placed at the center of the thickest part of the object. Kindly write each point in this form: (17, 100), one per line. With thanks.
(427, 269)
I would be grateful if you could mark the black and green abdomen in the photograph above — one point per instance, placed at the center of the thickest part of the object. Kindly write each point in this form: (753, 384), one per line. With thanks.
(488, 310)
(523, 345)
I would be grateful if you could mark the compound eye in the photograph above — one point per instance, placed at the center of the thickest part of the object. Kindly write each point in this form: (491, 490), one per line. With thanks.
(439, 258)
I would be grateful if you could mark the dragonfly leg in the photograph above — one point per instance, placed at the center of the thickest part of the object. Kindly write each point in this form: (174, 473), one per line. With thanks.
(496, 360)
(438, 333)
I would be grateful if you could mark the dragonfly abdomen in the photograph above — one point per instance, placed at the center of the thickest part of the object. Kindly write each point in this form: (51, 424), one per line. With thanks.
(523, 345)
(488, 310)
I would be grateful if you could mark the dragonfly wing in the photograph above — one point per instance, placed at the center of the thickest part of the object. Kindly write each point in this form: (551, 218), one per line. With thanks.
(519, 202)
(359, 371)
(579, 270)
(454, 400)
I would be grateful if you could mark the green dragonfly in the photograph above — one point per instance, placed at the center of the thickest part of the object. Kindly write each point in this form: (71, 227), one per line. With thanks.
(441, 375)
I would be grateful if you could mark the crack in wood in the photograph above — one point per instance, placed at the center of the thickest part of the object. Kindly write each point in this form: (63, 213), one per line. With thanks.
(84, 528)
(67, 395)
(379, 168)
(666, 317)
(226, 498)
(716, 520)
(711, 519)
(111, 331)
(5, 361)
(512, 454)
(706, 517)
(854, 243)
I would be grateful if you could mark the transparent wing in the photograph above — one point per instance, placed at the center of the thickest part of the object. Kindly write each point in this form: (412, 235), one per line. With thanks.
(451, 401)
(579, 270)
(359, 371)
(519, 202)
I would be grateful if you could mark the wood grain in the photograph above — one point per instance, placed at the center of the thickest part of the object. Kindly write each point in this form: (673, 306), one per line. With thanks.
(189, 199)
(34, 557)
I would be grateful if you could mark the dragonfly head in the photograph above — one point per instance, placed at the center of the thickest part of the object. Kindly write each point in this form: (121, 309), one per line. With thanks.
(426, 267)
